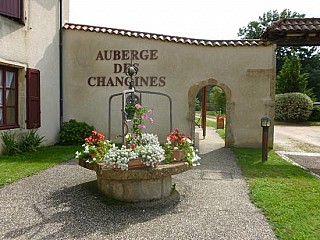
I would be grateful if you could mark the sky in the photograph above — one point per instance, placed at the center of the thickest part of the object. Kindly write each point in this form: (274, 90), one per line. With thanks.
(202, 19)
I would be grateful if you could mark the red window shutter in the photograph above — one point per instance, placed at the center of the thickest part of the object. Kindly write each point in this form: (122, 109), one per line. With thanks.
(12, 9)
(33, 98)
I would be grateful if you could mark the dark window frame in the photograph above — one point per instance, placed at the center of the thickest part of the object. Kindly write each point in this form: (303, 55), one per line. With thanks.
(3, 88)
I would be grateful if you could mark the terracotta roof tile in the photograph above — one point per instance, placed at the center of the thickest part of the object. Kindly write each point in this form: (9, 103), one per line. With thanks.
(160, 37)
(293, 25)
(294, 32)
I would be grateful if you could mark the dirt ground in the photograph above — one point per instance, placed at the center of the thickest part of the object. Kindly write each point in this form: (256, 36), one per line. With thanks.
(301, 144)
(297, 138)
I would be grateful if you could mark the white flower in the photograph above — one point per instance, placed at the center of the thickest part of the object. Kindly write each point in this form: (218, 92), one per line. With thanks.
(86, 149)
(78, 154)
(120, 157)
(151, 154)
(149, 139)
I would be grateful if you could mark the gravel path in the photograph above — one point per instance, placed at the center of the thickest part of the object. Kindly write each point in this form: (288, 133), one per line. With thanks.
(211, 202)
(297, 138)
(300, 144)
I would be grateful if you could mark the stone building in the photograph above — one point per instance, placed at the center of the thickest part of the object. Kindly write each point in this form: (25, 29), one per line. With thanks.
(96, 57)
(29, 66)
(50, 74)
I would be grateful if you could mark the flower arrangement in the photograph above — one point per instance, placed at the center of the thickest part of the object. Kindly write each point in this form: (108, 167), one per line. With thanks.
(150, 150)
(144, 146)
(119, 157)
(94, 148)
(179, 141)
(150, 153)
(141, 116)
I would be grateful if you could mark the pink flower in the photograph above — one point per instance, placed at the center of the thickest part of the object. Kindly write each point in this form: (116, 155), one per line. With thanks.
(144, 116)
(151, 120)
(141, 126)
(138, 105)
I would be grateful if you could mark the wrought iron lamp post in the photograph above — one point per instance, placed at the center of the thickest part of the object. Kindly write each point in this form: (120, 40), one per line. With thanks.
(265, 124)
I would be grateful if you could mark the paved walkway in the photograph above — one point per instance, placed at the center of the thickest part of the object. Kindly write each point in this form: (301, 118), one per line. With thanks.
(211, 202)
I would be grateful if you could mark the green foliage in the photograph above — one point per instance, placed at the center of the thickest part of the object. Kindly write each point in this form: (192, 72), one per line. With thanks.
(290, 78)
(315, 115)
(10, 145)
(311, 66)
(199, 96)
(198, 104)
(130, 110)
(255, 28)
(74, 132)
(293, 107)
(288, 195)
(29, 141)
(309, 56)
(218, 98)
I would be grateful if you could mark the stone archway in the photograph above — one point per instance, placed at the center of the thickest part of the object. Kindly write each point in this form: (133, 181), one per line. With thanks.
(194, 89)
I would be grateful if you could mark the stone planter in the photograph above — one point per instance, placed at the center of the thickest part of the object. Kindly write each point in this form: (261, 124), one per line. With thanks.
(178, 155)
(136, 164)
(137, 184)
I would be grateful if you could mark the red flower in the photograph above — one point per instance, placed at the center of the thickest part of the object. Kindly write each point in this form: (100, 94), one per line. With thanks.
(176, 138)
(94, 138)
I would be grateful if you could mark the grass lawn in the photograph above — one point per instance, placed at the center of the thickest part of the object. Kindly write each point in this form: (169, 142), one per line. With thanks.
(288, 195)
(13, 168)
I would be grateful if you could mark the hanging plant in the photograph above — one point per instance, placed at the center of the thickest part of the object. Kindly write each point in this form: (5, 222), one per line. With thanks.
(130, 111)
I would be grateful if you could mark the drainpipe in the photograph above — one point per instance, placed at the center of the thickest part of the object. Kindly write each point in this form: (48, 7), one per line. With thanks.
(60, 64)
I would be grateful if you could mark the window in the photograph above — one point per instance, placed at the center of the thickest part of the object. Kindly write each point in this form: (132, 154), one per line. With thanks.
(13, 9)
(8, 97)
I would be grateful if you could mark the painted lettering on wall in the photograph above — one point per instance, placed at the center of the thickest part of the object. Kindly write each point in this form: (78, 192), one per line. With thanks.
(119, 59)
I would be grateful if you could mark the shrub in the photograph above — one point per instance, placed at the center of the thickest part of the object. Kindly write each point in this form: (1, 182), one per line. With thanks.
(10, 145)
(74, 133)
(293, 107)
(30, 141)
(315, 115)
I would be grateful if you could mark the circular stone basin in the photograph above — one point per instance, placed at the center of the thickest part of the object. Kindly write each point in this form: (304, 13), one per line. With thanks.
(138, 184)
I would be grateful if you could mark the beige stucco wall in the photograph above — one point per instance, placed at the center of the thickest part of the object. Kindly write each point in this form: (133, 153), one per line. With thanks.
(245, 73)
(36, 45)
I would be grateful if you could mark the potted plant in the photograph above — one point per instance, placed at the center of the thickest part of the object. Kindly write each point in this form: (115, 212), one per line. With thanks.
(118, 158)
(150, 150)
(94, 148)
(179, 147)
(129, 111)
(141, 116)
(140, 150)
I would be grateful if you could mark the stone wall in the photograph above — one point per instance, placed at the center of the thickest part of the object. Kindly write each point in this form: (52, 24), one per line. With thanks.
(94, 64)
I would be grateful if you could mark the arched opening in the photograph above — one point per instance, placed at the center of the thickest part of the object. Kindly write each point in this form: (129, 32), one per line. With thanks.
(227, 109)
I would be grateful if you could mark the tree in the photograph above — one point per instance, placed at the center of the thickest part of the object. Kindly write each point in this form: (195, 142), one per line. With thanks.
(255, 28)
(312, 66)
(309, 56)
(218, 98)
(199, 97)
(290, 78)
